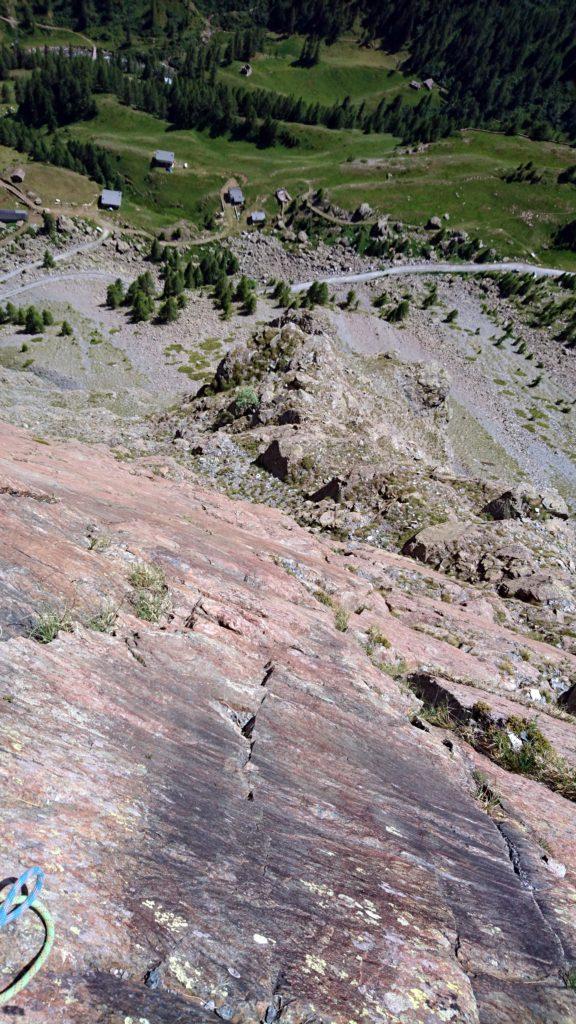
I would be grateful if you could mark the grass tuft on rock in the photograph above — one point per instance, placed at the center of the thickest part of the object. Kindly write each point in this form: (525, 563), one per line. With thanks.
(150, 599)
(49, 623)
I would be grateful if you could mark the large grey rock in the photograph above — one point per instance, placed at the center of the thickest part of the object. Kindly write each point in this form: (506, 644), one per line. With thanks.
(525, 502)
(539, 588)
(64, 225)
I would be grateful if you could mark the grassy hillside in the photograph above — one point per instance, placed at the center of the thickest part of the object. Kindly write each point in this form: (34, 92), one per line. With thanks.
(345, 69)
(158, 198)
(50, 183)
(461, 176)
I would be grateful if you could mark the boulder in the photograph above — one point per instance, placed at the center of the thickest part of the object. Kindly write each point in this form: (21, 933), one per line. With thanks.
(539, 588)
(438, 545)
(525, 502)
(381, 228)
(64, 225)
(289, 416)
(507, 560)
(273, 461)
(363, 212)
(332, 490)
(434, 224)
(302, 237)
(567, 700)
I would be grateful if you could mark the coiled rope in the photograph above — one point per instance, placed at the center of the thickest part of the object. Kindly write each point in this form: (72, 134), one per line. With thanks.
(11, 908)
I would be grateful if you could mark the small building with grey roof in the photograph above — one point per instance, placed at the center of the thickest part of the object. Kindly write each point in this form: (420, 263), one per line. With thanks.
(164, 158)
(110, 199)
(13, 216)
(236, 196)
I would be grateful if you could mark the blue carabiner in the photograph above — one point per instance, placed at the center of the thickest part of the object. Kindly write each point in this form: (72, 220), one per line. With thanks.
(8, 912)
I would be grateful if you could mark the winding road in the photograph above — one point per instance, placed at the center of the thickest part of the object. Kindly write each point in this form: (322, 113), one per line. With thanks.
(401, 270)
(76, 250)
(406, 269)
(87, 275)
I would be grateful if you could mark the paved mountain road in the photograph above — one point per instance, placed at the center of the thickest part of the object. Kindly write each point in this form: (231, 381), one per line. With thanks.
(406, 269)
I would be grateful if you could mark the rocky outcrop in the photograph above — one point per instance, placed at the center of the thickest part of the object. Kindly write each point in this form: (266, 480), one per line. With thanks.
(540, 589)
(239, 812)
(65, 225)
(526, 563)
(526, 503)
(330, 421)
(273, 461)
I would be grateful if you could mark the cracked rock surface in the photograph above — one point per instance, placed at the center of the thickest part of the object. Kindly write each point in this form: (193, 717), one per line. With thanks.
(236, 815)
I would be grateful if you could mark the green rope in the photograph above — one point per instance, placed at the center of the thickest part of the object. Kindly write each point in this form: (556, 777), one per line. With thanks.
(25, 976)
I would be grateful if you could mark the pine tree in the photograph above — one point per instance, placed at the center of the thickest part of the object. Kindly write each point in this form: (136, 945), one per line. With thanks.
(115, 294)
(250, 303)
(34, 323)
(142, 306)
(156, 251)
(243, 289)
(168, 311)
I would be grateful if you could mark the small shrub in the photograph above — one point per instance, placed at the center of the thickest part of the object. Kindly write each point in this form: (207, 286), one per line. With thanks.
(65, 330)
(569, 978)
(149, 606)
(150, 600)
(485, 794)
(324, 598)
(99, 542)
(246, 400)
(438, 715)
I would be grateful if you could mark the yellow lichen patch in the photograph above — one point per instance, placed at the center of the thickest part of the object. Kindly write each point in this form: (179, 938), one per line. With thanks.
(185, 973)
(166, 918)
(316, 964)
(315, 887)
(418, 997)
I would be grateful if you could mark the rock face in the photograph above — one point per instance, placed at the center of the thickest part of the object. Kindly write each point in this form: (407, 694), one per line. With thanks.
(237, 817)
